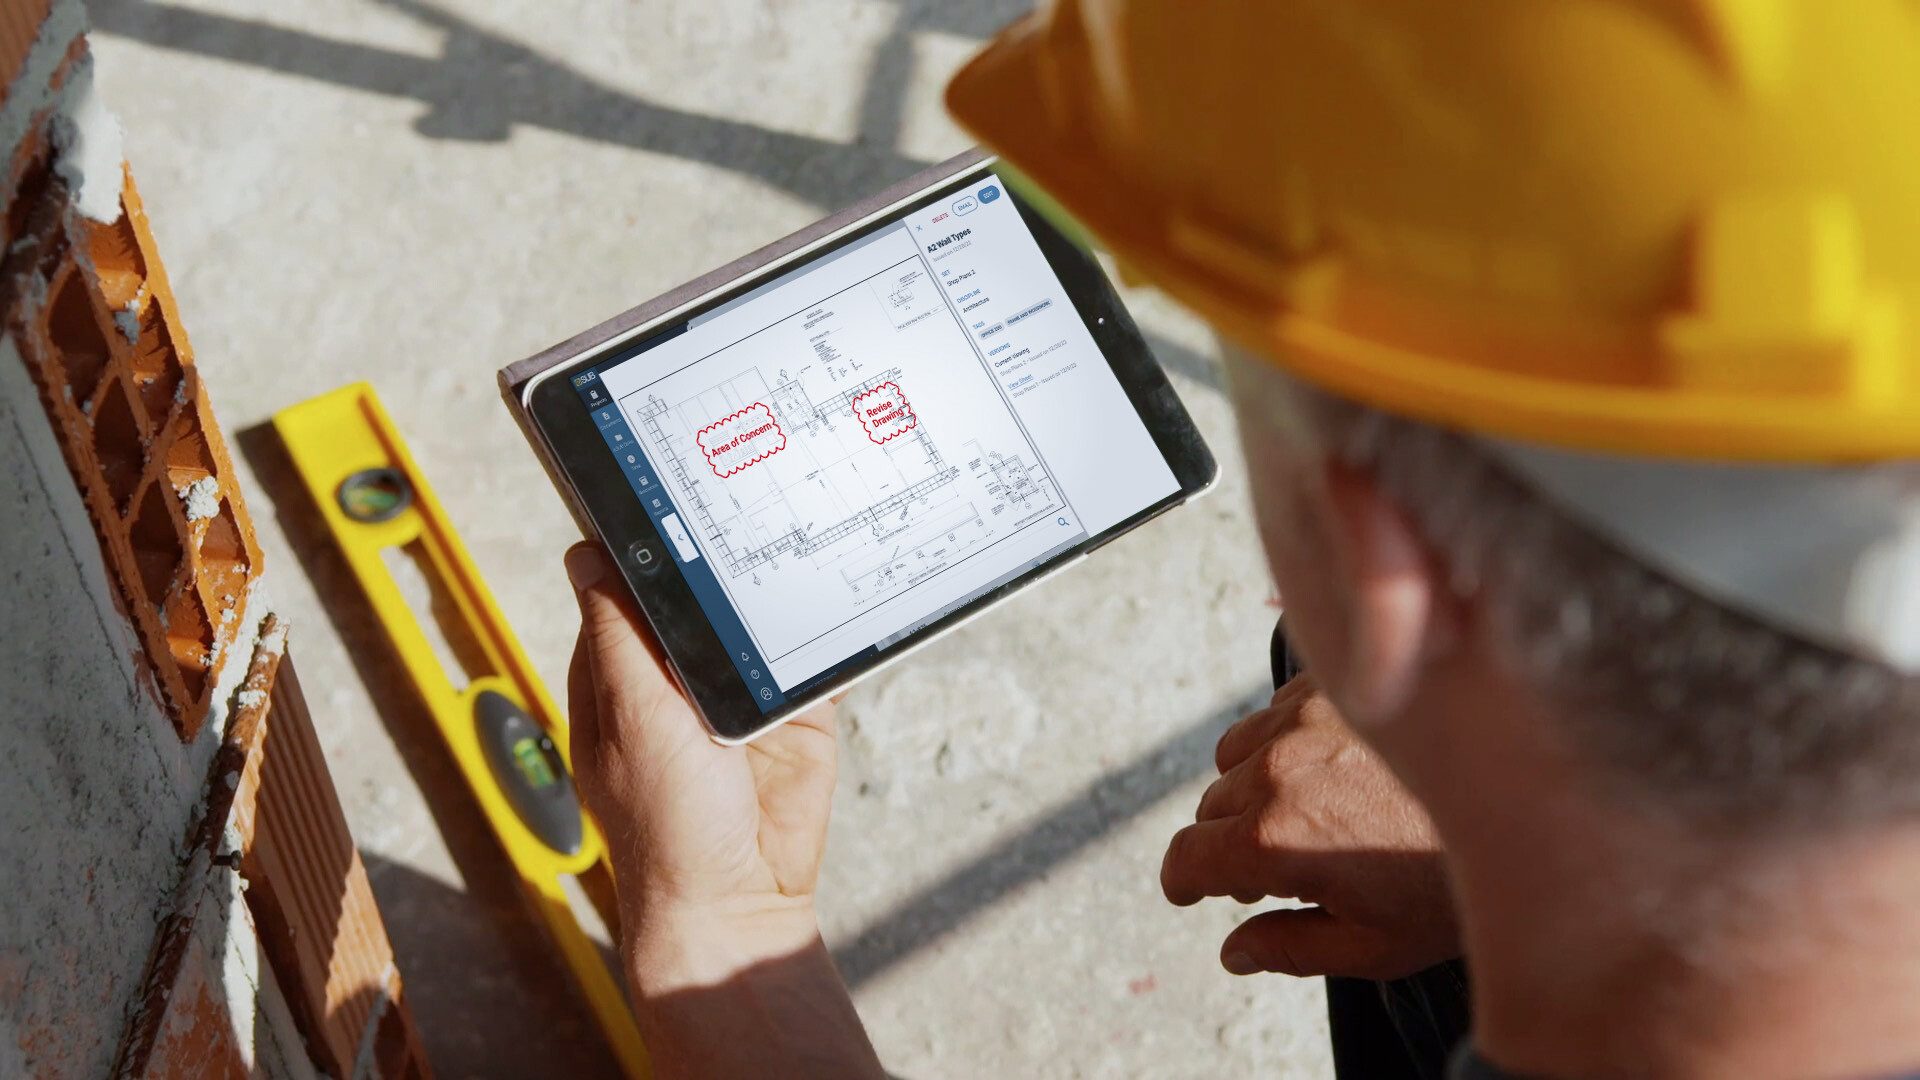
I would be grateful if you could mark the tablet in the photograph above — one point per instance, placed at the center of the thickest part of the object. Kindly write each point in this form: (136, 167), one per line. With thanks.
(826, 459)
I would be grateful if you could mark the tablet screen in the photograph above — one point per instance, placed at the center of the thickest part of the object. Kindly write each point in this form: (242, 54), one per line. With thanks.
(868, 442)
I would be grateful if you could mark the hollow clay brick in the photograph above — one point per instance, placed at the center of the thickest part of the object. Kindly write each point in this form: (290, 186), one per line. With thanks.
(319, 925)
(117, 375)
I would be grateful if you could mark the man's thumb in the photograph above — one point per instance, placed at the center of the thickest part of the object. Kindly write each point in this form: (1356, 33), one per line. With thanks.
(616, 646)
(1293, 941)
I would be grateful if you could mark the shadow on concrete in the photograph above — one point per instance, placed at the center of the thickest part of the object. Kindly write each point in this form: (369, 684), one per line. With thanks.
(1108, 803)
(489, 993)
(890, 71)
(488, 1011)
(977, 19)
(482, 84)
(462, 950)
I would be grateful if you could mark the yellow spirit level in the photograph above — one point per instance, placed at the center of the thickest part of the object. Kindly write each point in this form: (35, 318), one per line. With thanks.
(503, 729)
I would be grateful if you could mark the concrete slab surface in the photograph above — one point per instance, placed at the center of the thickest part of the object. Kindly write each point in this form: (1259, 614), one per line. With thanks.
(414, 192)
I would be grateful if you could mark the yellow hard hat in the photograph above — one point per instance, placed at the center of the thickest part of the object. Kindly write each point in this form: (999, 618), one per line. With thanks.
(1677, 228)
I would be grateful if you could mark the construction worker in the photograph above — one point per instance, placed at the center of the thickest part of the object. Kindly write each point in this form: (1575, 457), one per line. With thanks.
(1576, 350)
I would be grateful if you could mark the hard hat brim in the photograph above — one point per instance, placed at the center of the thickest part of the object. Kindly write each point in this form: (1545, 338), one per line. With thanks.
(1022, 102)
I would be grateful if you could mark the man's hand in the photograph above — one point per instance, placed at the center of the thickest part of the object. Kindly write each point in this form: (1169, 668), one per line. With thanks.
(696, 831)
(716, 851)
(1303, 809)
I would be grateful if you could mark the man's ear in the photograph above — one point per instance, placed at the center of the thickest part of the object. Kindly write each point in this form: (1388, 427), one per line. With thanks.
(1398, 610)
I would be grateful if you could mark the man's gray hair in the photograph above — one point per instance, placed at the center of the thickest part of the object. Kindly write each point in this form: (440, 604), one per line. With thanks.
(1683, 704)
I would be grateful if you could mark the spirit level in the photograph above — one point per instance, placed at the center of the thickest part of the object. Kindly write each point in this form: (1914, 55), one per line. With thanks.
(504, 731)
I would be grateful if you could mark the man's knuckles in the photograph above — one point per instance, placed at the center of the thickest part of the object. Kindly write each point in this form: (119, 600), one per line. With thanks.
(1218, 801)
(1242, 739)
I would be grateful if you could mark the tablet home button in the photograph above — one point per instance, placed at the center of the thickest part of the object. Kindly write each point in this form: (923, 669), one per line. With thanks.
(644, 558)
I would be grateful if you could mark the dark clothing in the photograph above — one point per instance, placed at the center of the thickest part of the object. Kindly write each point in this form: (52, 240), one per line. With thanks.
(1404, 1028)
(1468, 1065)
(1400, 1030)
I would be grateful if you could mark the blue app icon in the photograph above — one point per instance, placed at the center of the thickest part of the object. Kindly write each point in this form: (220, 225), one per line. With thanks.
(989, 193)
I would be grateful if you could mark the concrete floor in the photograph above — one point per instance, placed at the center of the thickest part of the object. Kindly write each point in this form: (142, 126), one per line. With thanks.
(416, 193)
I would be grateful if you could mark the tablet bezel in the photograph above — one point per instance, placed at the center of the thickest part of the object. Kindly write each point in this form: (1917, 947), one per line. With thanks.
(603, 500)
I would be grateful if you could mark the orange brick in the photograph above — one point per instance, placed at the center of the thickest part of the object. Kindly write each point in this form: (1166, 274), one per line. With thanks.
(314, 905)
(118, 378)
(318, 922)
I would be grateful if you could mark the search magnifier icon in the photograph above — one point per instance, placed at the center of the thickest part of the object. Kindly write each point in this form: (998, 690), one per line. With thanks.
(1062, 521)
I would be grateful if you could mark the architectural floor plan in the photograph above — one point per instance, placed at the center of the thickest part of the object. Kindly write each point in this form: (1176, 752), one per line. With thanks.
(843, 454)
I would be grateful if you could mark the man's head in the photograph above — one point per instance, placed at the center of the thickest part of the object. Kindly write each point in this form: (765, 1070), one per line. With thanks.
(1402, 547)
(1666, 242)
(1581, 400)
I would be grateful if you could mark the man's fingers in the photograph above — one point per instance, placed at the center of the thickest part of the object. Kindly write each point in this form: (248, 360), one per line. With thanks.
(824, 718)
(1230, 857)
(1231, 795)
(1248, 734)
(1211, 858)
(1257, 730)
(1296, 941)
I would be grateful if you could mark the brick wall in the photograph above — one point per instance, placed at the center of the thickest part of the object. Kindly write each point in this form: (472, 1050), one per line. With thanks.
(186, 899)
(118, 380)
